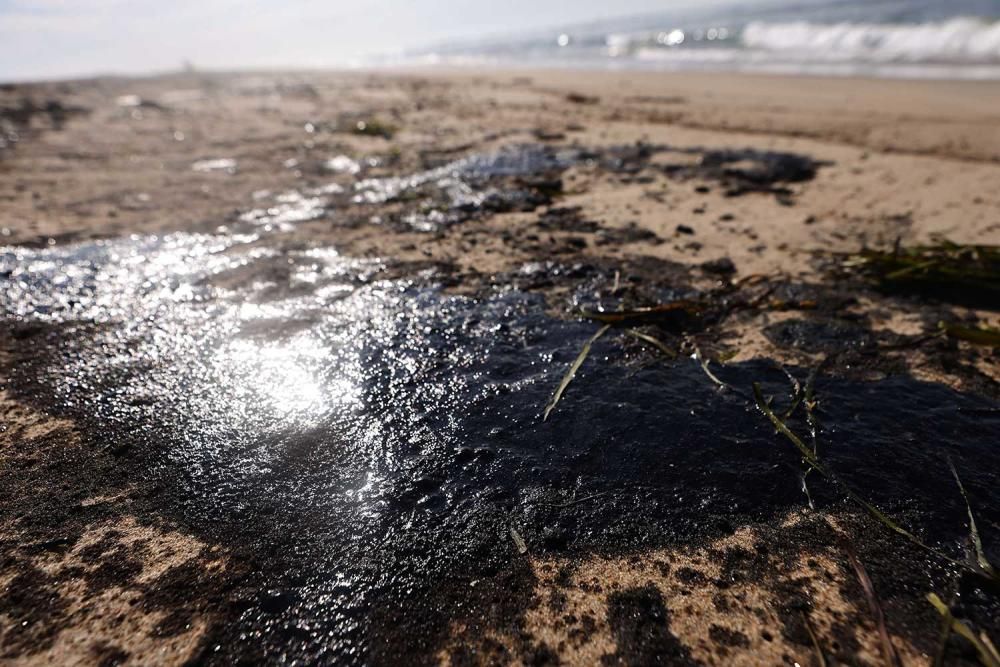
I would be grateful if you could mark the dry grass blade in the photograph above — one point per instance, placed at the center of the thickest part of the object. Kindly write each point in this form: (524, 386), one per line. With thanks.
(807, 454)
(977, 543)
(805, 396)
(682, 308)
(797, 393)
(984, 647)
(703, 362)
(652, 340)
(809, 401)
(711, 376)
(914, 341)
(809, 397)
(574, 367)
(805, 488)
(798, 397)
(577, 501)
(888, 650)
(811, 458)
(988, 643)
(913, 268)
(975, 335)
(820, 657)
(944, 635)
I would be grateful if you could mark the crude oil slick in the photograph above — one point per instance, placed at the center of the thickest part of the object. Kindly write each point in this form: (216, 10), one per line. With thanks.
(366, 442)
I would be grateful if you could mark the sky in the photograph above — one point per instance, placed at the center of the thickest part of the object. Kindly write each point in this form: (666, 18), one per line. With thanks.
(65, 38)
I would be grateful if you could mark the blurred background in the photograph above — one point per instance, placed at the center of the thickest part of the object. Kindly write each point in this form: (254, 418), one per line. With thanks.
(919, 38)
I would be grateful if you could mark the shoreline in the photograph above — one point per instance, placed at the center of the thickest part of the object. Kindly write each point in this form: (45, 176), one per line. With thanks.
(428, 67)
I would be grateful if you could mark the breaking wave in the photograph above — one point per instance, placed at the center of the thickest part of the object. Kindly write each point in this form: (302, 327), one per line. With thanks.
(958, 41)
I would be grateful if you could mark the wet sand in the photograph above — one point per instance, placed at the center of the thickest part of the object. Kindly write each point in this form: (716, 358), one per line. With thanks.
(278, 347)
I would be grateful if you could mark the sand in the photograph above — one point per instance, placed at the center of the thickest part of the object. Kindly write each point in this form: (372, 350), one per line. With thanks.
(899, 162)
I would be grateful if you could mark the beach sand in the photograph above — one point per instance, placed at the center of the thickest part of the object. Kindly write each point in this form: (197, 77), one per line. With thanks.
(891, 162)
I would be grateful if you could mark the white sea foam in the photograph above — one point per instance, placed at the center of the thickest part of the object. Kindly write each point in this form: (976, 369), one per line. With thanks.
(894, 38)
(958, 40)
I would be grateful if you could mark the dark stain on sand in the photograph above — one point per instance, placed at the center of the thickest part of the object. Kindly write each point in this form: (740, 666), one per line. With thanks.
(364, 466)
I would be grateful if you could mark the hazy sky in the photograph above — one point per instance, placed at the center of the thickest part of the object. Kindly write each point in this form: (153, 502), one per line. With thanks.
(57, 38)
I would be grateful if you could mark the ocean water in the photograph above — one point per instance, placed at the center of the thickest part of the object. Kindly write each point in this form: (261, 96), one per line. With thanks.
(895, 38)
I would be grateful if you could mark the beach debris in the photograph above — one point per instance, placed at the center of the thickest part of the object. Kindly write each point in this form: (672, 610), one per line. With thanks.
(962, 274)
(522, 546)
(695, 314)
